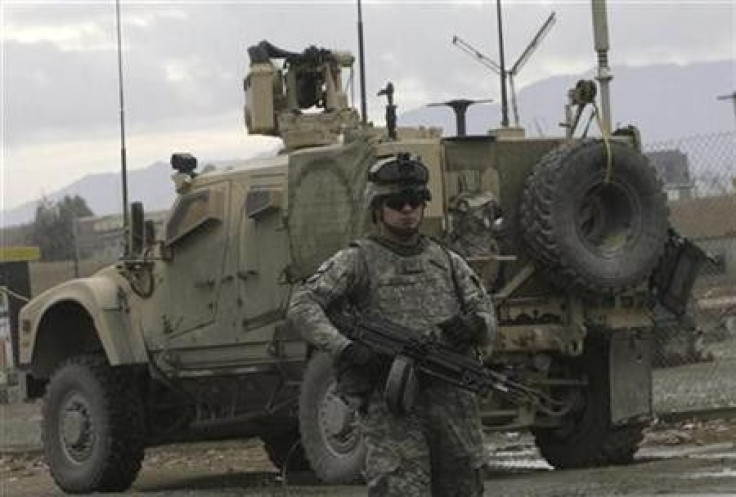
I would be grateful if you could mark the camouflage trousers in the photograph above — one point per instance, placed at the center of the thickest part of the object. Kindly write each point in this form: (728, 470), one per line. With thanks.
(436, 450)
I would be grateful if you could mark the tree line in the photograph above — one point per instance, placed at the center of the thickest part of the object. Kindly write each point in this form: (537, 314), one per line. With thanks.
(52, 229)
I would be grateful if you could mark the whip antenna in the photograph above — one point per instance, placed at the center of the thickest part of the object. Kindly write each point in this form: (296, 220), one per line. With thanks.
(361, 61)
(123, 155)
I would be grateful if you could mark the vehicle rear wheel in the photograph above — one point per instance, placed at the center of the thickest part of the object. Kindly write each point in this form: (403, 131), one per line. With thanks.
(586, 436)
(93, 426)
(330, 431)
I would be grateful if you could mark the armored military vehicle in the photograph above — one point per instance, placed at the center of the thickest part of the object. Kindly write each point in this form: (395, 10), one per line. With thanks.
(185, 338)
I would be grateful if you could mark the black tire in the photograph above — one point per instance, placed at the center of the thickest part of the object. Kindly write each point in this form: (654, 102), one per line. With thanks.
(587, 438)
(284, 449)
(93, 426)
(591, 235)
(330, 431)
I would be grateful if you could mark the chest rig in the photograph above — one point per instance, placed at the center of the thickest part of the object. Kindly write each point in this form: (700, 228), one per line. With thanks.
(416, 290)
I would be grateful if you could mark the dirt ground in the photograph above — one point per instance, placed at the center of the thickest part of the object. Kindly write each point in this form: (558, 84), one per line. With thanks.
(687, 458)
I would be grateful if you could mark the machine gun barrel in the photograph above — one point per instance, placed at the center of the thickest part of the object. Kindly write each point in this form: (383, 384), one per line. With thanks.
(436, 359)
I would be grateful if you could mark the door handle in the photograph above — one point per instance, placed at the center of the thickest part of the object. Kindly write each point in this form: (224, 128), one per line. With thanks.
(244, 275)
(205, 284)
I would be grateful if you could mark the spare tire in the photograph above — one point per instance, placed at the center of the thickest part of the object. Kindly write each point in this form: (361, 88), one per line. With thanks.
(592, 234)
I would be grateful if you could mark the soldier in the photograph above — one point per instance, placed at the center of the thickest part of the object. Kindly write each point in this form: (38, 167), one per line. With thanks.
(435, 447)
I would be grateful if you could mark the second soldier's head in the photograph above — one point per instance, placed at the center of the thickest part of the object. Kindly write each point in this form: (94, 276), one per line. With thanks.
(396, 193)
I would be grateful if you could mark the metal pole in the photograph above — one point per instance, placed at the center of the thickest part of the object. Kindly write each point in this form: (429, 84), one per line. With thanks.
(731, 97)
(75, 234)
(600, 35)
(504, 101)
(514, 106)
(361, 59)
(123, 155)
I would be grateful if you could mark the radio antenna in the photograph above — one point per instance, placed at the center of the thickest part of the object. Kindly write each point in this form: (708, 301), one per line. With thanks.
(522, 60)
(361, 61)
(604, 77)
(504, 74)
(123, 155)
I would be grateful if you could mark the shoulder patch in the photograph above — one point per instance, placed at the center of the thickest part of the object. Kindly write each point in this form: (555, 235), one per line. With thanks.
(324, 267)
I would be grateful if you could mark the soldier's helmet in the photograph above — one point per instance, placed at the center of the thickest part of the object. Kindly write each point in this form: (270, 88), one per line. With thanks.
(401, 174)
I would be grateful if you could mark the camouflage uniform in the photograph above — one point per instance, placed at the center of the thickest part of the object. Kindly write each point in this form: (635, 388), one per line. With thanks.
(436, 449)
(470, 233)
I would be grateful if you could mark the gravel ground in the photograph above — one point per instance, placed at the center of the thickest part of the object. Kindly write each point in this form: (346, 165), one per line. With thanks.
(687, 458)
(698, 386)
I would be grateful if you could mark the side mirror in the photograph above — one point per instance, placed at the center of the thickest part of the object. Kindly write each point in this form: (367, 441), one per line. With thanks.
(137, 234)
(184, 163)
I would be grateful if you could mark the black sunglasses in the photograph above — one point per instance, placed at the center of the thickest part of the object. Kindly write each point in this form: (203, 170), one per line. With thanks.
(397, 201)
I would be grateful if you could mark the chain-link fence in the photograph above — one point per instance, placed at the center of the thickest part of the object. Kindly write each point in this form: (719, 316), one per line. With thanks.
(695, 354)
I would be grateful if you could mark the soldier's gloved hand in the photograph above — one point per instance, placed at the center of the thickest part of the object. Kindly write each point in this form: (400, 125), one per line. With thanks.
(357, 354)
(461, 330)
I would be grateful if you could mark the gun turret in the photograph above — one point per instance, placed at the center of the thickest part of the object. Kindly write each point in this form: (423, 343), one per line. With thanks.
(265, 51)
(278, 98)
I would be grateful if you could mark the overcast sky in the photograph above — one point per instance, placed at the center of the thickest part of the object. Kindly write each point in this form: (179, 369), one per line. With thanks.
(184, 63)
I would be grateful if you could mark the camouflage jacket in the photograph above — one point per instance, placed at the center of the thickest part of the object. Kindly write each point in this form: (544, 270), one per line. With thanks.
(417, 288)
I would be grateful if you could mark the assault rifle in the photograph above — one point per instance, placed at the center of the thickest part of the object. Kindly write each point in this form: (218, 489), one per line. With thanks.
(437, 359)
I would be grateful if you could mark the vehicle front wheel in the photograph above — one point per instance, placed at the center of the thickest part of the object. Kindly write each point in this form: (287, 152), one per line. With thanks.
(330, 429)
(93, 426)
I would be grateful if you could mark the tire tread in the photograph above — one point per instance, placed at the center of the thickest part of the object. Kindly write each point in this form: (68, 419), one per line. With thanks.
(125, 444)
(538, 219)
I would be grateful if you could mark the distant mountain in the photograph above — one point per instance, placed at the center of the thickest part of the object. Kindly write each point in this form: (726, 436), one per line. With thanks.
(665, 101)
(102, 192)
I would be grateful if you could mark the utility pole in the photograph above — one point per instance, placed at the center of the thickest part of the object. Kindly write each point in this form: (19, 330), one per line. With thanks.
(75, 235)
(732, 98)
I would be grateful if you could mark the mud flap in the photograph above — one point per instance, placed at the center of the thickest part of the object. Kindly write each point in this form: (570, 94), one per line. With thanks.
(630, 372)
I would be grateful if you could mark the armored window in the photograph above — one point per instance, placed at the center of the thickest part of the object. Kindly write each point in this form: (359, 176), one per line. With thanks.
(259, 202)
(193, 212)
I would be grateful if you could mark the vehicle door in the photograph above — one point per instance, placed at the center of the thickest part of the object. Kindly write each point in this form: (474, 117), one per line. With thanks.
(198, 243)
